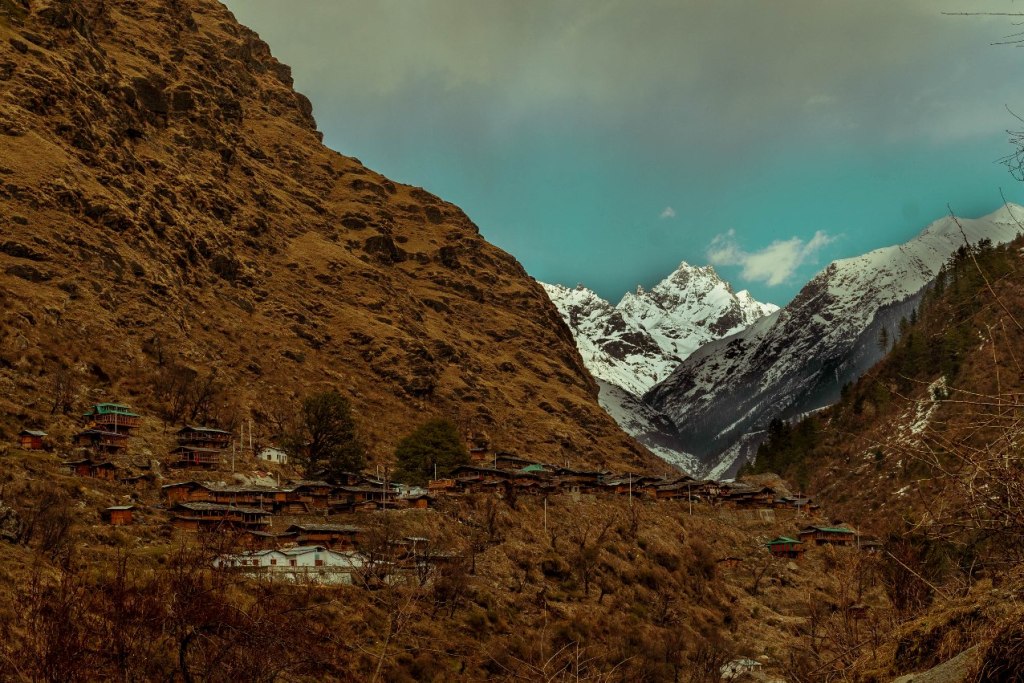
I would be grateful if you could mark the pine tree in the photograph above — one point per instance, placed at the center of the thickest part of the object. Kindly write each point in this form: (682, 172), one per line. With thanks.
(325, 437)
(436, 443)
(883, 340)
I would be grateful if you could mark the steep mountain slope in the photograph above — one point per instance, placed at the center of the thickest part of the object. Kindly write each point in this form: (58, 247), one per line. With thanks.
(798, 359)
(647, 426)
(167, 207)
(925, 451)
(638, 342)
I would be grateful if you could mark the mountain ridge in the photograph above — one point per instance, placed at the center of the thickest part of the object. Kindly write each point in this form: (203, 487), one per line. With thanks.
(637, 342)
(798, 358)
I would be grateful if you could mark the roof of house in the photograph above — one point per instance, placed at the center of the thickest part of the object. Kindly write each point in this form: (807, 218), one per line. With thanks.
(120, 507)
(110, 409)
(784, 540)
(217, 507)
(190, 483)
(203, 430)
(360, 489)
(195, 449)
(828, 529)
(32, 432)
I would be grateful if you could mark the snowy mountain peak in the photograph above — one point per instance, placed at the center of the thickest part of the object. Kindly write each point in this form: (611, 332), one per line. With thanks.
(798, 360)
(638, 342)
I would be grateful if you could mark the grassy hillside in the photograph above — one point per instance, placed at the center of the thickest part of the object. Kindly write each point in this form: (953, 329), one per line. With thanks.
(925, 449)
(170, 222)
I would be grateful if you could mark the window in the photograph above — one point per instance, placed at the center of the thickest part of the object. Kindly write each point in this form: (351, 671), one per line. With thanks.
(273, 562)
(318, 562)
(293, 562)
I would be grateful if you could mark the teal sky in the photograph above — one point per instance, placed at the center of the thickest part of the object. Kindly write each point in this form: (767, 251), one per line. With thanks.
(605, 141)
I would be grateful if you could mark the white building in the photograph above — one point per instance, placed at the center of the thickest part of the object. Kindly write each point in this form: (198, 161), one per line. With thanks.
(272, 454)
(305, 563)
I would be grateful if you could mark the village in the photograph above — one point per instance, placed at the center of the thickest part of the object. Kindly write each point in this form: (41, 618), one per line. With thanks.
(303, 528)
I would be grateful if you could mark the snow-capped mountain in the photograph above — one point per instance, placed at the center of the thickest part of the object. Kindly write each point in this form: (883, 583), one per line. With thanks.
(798, 358)
(637, 343)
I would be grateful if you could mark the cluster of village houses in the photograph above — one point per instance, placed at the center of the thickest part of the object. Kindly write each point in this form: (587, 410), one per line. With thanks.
(333, 548)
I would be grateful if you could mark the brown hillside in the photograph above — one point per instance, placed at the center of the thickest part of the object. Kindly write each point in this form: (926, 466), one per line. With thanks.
(165, 201)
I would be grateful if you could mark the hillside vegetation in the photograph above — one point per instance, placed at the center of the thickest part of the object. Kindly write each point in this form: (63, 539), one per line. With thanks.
(926, 450)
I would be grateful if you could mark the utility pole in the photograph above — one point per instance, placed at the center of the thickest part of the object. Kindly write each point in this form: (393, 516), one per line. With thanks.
(545, 515)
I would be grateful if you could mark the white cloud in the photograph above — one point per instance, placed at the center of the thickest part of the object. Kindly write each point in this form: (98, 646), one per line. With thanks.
(667, 212)
(772, 265)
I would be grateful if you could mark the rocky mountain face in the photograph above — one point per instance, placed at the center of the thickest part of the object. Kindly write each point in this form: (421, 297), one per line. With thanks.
(638, 342)
(634, 345)
(798, 359)
(166, 206)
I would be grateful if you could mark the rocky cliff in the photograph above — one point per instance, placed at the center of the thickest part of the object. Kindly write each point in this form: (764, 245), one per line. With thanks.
(166, 206)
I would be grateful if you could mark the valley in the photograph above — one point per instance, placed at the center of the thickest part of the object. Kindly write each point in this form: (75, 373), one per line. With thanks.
(267, 414)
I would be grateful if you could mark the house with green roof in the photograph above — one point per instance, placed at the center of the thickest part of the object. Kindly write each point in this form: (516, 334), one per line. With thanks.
(784, 546)
(828, 535)
(112, 417)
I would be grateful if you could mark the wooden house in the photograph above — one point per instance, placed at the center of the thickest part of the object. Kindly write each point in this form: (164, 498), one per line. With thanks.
(420, 501)
(784, 546)
(118, 515)
(102, 442)
(196, 456)
(112, 417)
(708, 489)
(441, 485)
(679, 491)
(32, 440)
(186, 491)
(314, 494)
(638, 486)
(579, 479)
(335, 536)
(212, 516)
(262, 497)
(827, 535)
(475, 479)
(106, 471)
(730, 562)
(797, 503)
(204, 437)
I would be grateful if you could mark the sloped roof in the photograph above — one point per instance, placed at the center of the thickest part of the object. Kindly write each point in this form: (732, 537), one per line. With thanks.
(784, 540)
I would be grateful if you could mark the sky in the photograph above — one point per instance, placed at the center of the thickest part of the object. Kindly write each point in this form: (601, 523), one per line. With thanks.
(603, 142)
